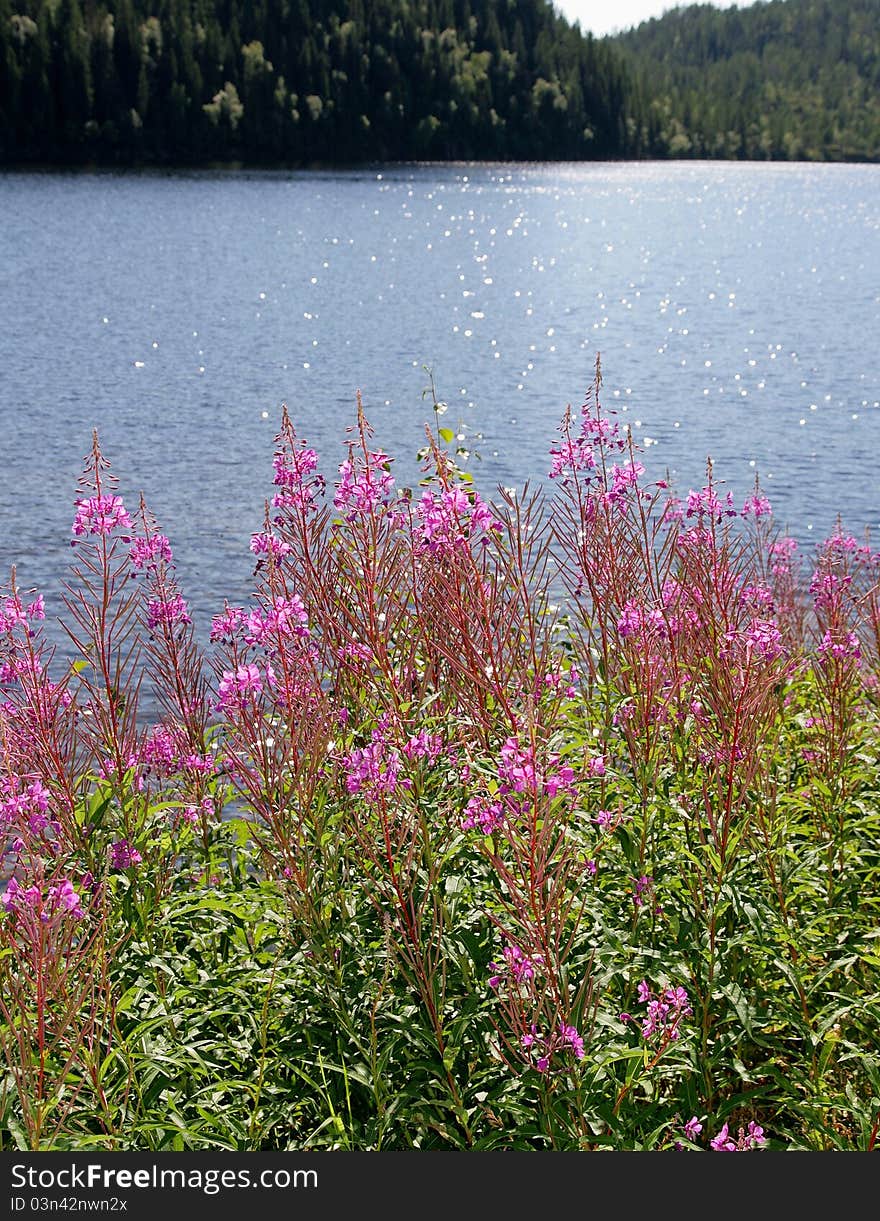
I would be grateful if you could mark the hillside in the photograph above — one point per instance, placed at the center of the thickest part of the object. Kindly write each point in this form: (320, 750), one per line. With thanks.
(297, 82)
(304, 81)
(789, 79)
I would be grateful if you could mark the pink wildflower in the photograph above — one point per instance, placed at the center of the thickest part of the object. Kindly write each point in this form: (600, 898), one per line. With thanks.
(270, 545)
(757, 506)
(170, 609)
(123, 856)
(100, 515)
(239, 685)
(722, 1142)
(365, 484)
(481, 813)
(150, 552)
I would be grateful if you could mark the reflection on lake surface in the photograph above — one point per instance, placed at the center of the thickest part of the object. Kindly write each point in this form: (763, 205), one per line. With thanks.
(735, 307)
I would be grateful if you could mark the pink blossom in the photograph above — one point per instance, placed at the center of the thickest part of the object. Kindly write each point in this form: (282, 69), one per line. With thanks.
(372, 768)
(225, 627)
(16, 897)
(452, 517)
(424, 745)
(123, 856)
(481, 813)
(167, 608)
(841, 645)
(64, 899)
(757, 506)
(100, 515)
(270, 545)
(365, 485)
(764, 639)
(723, 1143)
(573, 1039)
(283, 619)
(518, 967)
(159, 749)
(238, 686)
(706, 503)
(294, 474)
(569, 455)
(150, 552)
(517, 769)
(665, 1012)
(600, 431)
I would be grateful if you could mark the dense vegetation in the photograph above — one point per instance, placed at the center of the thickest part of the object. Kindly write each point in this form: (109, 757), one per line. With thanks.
(305, 81)
(789, 79)
(545, 823)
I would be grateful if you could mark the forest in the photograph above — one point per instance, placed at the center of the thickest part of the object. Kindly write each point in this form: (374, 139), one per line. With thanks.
(305, 82)
(794, 80)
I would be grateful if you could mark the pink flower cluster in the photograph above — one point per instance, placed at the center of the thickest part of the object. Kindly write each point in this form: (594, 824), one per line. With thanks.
(757, 506)
(169, 609)
(13, 613)
(483, 814)
(294, 474)
(373, 768)
(285, 618)
(424, 745)
(100, 515)
(665, 1013)
(225, 627)
(269, 545)
(746, 1139)
(782, 556)
(827, 587)
(123, 856)
(566, 1038)
(450, 518)
(517, 966)
(674, 614)
(636, 619)
(762, 639)
(518, 772)
(159, 750)
(757, 597)
(706, 503)
(150, 552)
(841, 645)
(61, 900)
(239, 687)
(571, 454)
(624, 479)
(26, 812)
(365, 485)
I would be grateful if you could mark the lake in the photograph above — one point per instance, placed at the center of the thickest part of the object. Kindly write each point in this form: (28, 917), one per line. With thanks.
(735, 307)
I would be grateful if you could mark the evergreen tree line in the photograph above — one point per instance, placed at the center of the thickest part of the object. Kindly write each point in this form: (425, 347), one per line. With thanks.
(346, 81)
(785, 80)
(298, 81)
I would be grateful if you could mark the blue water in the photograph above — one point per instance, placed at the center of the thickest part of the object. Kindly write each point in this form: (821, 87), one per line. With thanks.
(735, 307)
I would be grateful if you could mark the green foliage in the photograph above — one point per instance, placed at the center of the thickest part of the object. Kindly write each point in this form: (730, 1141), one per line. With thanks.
(790, 80)
(454, 859)
(190, 81)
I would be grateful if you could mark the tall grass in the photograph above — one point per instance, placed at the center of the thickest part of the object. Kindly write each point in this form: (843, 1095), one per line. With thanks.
(544, 823)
